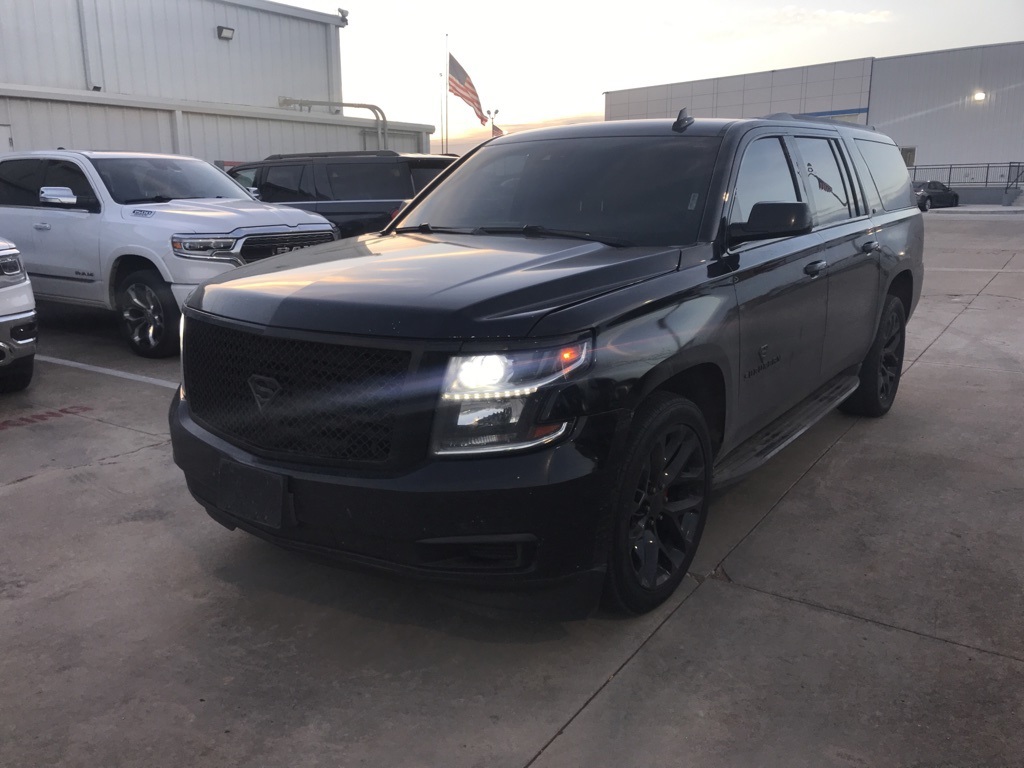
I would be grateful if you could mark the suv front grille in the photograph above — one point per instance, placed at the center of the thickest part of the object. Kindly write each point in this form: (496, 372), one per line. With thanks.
(258, 247)
(294, 399)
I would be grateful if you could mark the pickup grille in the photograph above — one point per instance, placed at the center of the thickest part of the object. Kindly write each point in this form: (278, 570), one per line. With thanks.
(294, 399)
(258, 247)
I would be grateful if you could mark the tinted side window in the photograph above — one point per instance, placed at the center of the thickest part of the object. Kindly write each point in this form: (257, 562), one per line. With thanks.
(765, 177)
(369, 181)
(423, 176)
(828, 187)
(62, 173)
(287, 184)
(20, 181)
(889, 173)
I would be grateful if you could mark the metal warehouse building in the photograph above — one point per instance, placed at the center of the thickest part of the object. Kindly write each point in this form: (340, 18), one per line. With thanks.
(225, 80)
(958, 106)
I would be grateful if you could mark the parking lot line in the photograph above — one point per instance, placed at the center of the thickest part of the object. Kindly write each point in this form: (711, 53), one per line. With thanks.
(108, 371)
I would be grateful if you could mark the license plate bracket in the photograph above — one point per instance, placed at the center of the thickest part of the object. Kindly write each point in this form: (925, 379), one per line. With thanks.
(251, 494)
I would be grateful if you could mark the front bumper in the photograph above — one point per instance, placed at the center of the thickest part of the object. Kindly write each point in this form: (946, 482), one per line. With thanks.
(17, 337)
(538, 519)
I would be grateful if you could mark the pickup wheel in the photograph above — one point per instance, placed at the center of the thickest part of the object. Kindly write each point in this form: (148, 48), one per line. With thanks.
(661, 504)
(149, 314)
(17, 375)
(882, 368)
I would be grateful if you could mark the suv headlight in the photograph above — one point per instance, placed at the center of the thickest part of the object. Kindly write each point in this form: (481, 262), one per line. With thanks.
(11, 270)
(199, 247)
(491, 402)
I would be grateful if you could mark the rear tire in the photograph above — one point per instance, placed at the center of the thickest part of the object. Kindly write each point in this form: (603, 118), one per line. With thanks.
(17, 375)
(882, 368)
(149, 314)
(661, 504)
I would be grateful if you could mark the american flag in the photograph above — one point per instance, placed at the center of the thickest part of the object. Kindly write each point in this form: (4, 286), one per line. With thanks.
(460, 83)
(496, 131)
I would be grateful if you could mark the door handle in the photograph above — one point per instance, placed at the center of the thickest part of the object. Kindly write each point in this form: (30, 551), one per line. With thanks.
(870, 247)
(815, 268)
(41, 227)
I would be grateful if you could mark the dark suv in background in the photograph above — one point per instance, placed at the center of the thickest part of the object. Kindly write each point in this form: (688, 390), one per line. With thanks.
(360, 192)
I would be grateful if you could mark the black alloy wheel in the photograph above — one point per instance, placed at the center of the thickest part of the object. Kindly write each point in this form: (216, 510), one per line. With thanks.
(149, 314)
(882, 368)
(663, 497)
(927, 204)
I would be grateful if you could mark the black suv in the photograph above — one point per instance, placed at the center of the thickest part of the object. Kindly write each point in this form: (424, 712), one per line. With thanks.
(359, 192)
(540, 369)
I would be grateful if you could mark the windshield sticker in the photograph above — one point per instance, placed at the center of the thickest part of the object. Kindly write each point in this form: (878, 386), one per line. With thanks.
(143, 213)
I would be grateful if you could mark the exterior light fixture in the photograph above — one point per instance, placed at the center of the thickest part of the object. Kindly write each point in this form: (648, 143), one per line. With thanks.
(980, 95)
(225, 33)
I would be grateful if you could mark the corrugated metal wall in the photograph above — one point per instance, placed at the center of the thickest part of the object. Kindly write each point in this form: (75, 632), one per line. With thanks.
(926, 101)
(169, 49)
(837, 87)
(49, 123)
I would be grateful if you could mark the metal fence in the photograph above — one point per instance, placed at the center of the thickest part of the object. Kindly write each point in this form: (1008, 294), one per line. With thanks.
(1005, 175)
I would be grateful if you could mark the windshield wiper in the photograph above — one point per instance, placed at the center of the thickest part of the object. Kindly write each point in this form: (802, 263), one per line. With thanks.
(428, 229)
(539, 230)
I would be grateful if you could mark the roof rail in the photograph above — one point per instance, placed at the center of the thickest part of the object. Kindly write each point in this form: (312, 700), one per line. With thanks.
(346, 153)
(815, 119)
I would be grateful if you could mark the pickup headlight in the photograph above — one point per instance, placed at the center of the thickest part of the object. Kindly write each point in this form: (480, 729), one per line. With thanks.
(198, 247)
(490, 402)
(11, 270)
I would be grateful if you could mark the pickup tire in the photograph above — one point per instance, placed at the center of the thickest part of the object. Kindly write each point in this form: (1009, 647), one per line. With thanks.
(17, 375)
(882, 368)
(149, 314)
(661, 504)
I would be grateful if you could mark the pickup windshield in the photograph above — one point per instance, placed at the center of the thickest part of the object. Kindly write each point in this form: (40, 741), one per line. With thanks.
(637, 190)
(162, 179)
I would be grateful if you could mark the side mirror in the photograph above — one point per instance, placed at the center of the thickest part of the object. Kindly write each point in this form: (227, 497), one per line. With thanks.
(255, 192)
(771, 220)
(57, 196)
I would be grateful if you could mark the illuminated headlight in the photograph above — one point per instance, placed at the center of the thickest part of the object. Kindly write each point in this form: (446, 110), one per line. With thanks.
(11, 270)
(492, 402)
(217, 248)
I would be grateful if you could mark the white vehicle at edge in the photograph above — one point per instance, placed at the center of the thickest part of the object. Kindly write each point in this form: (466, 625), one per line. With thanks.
(137, 232)
(17, 322)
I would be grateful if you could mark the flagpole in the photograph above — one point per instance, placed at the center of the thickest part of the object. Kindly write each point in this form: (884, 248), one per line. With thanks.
(447, 74)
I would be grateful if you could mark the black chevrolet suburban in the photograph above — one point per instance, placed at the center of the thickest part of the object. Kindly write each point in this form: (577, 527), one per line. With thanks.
(537, 373)
(358, 192)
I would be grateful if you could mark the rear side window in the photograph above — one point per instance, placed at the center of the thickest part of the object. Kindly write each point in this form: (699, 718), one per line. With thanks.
(765, 177)
(889, 173)
(20, 181)
(423, 176)
(287, 184)
(369, 181)
(827, 185)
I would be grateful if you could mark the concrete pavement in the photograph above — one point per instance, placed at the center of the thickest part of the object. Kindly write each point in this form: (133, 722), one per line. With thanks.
(859, 601)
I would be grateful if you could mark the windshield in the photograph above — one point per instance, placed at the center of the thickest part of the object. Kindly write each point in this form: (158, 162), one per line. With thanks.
(638, 190)
(162, 179)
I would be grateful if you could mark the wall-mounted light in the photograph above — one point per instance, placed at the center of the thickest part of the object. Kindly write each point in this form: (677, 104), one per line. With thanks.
(225, 33)
(980, 96)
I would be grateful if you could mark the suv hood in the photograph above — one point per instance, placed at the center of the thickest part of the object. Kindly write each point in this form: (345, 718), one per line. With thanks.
(217, 216)
(427, 286)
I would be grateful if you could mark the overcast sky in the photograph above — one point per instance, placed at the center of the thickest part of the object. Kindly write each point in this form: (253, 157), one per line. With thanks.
(539, 62)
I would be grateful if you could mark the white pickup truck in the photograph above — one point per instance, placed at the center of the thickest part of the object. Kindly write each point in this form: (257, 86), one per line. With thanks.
(17, 322)
(136, 232)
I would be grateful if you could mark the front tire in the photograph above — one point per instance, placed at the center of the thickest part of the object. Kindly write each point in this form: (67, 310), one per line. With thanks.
(149, 314)
(17, 375)
(662, 497)
(882, 368)
(927, 204)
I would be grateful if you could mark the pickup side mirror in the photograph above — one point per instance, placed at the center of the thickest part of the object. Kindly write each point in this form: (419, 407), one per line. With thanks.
(57, 196)
(771, 220)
